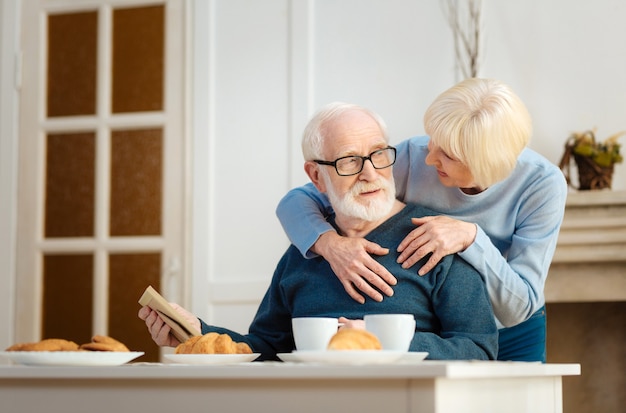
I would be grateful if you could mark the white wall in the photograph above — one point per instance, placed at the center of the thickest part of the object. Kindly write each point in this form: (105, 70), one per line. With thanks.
(260, 68)
(567, 60)
(272, 63)
(241, 112)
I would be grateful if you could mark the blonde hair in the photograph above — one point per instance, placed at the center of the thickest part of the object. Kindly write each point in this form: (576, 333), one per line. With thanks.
(315, 131)
(483, 124)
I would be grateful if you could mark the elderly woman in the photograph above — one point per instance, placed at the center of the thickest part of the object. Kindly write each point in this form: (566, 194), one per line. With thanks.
(501, 207)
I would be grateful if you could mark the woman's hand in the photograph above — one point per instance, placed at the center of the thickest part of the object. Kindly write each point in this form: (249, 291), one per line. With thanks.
(351, 262)
(440, 235)
(159, 331)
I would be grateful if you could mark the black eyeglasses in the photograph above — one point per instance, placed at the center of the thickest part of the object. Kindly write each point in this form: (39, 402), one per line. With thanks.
(352, 165)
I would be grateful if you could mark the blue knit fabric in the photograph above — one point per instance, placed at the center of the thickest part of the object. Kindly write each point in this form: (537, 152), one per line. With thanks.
(454, 319)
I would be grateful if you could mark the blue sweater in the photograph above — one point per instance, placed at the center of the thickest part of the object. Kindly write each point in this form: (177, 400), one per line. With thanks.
(518, 221)
(454, 319)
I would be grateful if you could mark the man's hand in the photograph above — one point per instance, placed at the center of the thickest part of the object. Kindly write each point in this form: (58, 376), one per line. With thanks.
(351, 261)
(159, 331)
(347, 323)
(440, 235)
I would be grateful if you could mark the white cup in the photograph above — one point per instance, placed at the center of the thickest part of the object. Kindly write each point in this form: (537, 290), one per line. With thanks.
(313, 333)
(395, 331)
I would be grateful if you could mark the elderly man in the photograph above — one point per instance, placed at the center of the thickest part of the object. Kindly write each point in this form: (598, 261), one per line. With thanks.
(347, 156)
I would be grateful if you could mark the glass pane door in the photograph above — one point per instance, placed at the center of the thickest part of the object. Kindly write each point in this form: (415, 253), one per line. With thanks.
(93, 230)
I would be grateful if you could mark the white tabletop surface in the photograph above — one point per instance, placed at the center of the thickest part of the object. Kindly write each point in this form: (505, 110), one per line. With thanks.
(278, 370)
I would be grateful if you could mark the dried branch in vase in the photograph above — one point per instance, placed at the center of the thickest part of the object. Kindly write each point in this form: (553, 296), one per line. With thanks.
(464, 18)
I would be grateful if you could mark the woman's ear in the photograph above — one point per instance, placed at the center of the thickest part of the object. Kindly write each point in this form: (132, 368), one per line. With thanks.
(313, 171)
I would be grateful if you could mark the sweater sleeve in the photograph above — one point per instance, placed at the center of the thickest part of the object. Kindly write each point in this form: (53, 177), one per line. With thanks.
(402, 168)
(270, 331)
(463, 335)
(302, 214)
(257, 343)
(515, 283)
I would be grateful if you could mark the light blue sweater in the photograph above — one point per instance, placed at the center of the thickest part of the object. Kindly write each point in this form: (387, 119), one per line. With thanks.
(518, 222)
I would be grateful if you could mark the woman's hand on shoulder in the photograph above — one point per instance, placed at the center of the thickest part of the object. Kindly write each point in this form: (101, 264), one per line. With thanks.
(439, 235)
(352, 263)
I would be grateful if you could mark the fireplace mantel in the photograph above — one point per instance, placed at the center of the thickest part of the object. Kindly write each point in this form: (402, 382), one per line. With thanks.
(590, 259)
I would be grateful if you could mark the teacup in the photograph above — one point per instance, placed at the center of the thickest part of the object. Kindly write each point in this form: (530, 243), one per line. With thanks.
(395, 331)
(313, 333)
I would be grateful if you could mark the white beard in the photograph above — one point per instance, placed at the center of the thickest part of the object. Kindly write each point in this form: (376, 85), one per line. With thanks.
(373, 210)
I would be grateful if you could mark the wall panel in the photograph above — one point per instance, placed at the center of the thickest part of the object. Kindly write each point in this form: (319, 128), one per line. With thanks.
(270, 67)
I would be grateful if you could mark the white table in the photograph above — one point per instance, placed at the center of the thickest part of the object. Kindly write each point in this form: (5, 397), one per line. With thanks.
(429, 386)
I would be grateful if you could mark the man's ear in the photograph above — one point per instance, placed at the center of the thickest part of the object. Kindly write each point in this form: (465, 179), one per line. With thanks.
(313, 171)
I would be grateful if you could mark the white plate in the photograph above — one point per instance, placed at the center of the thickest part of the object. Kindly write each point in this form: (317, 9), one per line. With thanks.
(413, 357)
(213, 359)
(344, 356)
(71, 358)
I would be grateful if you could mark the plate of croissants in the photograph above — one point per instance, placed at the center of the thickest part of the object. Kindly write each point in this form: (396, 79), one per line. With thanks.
(101, 351)
(212, 348)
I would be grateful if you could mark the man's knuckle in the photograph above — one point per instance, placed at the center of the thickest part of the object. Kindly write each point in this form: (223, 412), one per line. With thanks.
(361, 284)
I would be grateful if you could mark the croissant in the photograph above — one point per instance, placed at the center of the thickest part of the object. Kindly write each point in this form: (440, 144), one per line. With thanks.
(104, 343)
(354, 339)
(49, 344)
(212, 343)
(98, 343)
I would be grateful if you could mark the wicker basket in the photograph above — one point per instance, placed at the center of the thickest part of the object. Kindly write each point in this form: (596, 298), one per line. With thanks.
(590, 174)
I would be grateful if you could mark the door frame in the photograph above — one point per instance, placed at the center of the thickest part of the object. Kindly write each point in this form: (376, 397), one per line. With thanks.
(26, 321)
(9, 103)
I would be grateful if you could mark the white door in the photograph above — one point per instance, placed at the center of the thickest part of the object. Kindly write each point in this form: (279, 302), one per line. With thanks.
(102, 184)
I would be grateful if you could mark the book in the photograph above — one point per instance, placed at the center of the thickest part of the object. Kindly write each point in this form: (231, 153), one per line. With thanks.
(181, 328)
